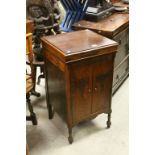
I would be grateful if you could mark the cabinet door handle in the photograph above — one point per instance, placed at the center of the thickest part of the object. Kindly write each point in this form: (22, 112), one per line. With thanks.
(95, 89)
(127, 47)
(126, 69)
(89, 90)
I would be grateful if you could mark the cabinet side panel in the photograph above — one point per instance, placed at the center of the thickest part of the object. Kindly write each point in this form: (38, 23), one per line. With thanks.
(56, 89)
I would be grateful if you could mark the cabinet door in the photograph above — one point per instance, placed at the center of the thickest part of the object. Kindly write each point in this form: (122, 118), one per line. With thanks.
(102, 85)
(81, 90)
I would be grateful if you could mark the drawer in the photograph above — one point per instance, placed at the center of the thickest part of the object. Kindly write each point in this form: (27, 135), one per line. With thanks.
(122, 37)
(121, 71)
(123, 49)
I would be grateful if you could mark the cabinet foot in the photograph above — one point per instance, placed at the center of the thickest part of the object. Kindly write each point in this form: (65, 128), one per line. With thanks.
(70, 138)
(109, 121)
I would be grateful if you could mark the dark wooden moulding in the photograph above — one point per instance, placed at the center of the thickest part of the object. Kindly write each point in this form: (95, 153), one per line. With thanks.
(79, 71)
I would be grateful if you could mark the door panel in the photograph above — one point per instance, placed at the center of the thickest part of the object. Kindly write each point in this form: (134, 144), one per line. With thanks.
(102, 79)
(81, 88)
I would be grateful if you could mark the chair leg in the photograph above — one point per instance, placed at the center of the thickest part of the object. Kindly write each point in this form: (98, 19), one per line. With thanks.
(32, 117)
(40, 76)
(33, 92)
(35, 73)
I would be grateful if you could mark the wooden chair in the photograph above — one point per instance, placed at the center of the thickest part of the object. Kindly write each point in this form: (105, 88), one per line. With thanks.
(30, 78)
(40, 65)
(36, 63)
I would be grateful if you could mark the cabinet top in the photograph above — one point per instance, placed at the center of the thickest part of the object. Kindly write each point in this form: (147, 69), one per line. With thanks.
(77, 45)
(108, 26)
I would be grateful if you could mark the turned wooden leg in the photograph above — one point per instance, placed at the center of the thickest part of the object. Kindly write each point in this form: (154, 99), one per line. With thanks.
(38, 82)
(32, 114)
(70, 138)
(39, 78)
(35, 73)
(41, 75)
(109, 121)
(33, 92)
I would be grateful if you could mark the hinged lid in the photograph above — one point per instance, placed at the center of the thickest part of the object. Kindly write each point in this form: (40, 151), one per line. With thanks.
(78, 45)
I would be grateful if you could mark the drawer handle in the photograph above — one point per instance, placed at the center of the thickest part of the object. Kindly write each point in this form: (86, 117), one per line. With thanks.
(120, 41)
(127, 47)
(126, 69)
(117, 77)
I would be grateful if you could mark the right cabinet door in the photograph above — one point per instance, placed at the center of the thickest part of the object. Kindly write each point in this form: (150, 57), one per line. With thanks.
(102, 85)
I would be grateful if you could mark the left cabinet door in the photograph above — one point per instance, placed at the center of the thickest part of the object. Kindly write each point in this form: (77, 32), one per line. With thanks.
(81, 91)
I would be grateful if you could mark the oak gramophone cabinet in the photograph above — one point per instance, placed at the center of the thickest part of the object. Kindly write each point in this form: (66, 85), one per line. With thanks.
(79, 74)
